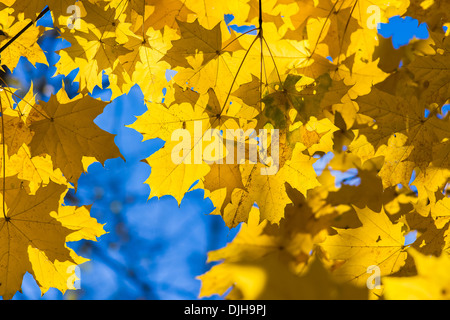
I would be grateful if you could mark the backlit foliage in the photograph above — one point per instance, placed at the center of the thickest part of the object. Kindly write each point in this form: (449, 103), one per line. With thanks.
(316, 70)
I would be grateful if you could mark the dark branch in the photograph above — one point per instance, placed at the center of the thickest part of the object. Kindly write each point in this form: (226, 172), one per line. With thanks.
(260, 14)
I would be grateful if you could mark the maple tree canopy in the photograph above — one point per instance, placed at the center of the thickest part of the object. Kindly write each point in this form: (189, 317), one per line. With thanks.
(316, 71)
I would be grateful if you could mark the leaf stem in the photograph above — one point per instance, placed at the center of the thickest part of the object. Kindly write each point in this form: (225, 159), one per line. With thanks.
(7, 89)
(235, 77)
(3, 161)
(273, 60)
(260, 15)
(260, 35)
(237, 38)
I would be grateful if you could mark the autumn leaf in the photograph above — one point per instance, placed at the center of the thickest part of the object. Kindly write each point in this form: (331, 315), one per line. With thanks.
(169, 178)
(269, 279)
(67, 133)
(434, 13)
(194, 40)
(27, 222)
(292, 242)
(157, 14)
(432, 72)
(430, 283)
(378, 242)
(402, 122)
(308, 131)
(25, 46)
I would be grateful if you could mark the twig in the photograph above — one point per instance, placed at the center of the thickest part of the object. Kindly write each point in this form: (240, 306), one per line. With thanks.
(3, 163)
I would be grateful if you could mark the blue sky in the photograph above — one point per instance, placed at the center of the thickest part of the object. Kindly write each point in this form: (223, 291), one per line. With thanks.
(153, 248)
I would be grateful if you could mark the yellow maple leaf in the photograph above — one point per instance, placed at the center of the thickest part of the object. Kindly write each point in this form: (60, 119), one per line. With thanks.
(24, 46)
(172, 178)
(432, 281)
(378, 242)
(433, 12)
(316, 70)
(432, 73)
(27, 222)
(66, 131)
(392, 115)
(269, 279)
(194, 39)
(79, 220)
(158, 14)
(54, 274)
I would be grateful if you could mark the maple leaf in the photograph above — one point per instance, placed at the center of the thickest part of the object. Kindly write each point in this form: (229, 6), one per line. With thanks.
(96, 44)
(307, 98)
(33, 232)
(204, 59)
(326, 23)
(360, 9)
(378, 242)
(18, 131)
(299, 230)
(157, 14)
(397, 167)
(79, 220)
(316, 71)
(140, 63)
(269, 279)
(210, 12)
(175, 179)
(391, 58)
(29, 10)
(224, 178)
(394, 115)
(194, 39)
(433, 13)
(67, 133)
(35, 171)
(194, 114)
(54, 274)
(432, 73)
(305, 10)
(24, 46)
(430, 283)
(267, 191)
(27, 222)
